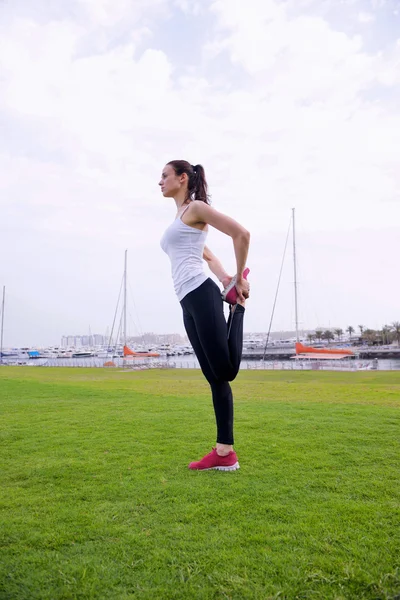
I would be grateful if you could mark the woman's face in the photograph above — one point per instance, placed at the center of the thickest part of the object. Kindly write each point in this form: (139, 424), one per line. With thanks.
(170, 182)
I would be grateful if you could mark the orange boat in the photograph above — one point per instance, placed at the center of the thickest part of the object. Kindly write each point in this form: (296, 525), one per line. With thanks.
(310, 352)
(128, 353)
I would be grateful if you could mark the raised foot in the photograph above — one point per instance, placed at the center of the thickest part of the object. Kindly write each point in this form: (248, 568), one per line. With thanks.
(229, 293)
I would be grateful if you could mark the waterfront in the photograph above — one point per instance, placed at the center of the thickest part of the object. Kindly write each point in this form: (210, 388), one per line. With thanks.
(280, 355)
(190, 362)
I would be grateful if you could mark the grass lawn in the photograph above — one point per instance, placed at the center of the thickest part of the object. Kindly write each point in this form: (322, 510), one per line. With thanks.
(97, 501)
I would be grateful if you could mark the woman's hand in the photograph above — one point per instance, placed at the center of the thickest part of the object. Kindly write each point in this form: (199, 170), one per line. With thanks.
(243, 289)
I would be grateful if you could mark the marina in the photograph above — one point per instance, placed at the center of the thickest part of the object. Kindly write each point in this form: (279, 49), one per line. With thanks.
(182, 357)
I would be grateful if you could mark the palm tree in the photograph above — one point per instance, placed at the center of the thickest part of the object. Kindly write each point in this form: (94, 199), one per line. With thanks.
(310, 337)
(386, 329)
(328, 336)
(318, 334)
(361, 328)
(396, 331)
(350, 330)
(339, 333)
(370, 336)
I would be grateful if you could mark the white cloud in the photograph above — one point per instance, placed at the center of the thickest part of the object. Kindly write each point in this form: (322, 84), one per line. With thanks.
(193, 7)
(364, 17)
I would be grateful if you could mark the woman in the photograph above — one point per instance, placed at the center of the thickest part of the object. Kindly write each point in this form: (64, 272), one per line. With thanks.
(217, 343)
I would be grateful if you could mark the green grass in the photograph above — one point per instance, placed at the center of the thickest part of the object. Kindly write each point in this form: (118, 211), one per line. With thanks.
(97, 501)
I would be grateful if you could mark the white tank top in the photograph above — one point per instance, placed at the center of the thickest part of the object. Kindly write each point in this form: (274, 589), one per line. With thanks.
(184, 246)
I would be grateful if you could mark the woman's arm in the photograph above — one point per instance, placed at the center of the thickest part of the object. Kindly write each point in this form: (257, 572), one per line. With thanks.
(203, 213)
(215, 266)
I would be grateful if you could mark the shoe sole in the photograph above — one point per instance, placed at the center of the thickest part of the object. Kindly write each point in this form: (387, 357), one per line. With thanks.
(228, 289)
(230, 468)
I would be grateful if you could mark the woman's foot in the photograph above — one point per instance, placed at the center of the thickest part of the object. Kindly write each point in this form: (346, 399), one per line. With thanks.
(214, 461)
(229, 293)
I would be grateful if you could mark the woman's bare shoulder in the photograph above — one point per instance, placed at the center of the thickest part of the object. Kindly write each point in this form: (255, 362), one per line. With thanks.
(203, 213)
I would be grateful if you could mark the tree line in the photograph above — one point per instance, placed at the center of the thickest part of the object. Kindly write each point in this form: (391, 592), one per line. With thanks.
(384, 336)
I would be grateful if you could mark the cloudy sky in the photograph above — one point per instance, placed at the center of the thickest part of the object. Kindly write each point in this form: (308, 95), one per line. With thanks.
(286, 104)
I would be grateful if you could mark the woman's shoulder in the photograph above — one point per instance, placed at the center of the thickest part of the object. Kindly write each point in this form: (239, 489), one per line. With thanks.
(200, 209)
(205, 214)
(194, 215)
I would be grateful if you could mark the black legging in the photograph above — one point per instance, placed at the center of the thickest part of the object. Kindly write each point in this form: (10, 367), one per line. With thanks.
(218, 347)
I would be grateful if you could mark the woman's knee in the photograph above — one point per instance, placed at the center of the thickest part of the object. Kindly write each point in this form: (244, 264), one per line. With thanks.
(225, 373)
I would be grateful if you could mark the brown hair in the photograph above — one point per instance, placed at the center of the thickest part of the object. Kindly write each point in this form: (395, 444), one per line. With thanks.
(197, 184)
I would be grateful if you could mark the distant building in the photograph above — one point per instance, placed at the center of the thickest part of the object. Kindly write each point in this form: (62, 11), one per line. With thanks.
(77, 341)
(150, 338)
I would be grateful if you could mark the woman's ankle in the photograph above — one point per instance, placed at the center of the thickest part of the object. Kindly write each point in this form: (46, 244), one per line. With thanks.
(224, 449)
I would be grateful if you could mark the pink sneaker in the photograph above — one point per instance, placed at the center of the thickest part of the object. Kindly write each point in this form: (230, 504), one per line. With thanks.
(229, 294)
(214, 461)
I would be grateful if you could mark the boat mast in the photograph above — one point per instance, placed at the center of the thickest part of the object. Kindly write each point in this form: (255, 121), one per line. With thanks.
(2, 324)
(295, 277)
(126, 261)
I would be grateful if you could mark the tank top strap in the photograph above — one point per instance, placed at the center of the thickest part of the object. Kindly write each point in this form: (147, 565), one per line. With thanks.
(181, 215)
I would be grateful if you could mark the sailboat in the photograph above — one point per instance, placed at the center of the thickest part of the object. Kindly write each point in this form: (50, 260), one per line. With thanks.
(324, 353)
(309, 351)
(128, 352)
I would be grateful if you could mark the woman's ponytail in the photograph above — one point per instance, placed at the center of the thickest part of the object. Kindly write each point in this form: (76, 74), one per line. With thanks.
(198, 185)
